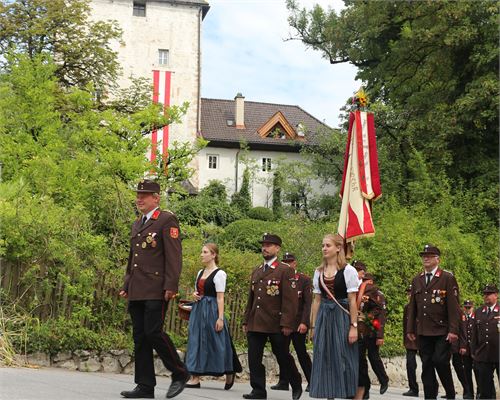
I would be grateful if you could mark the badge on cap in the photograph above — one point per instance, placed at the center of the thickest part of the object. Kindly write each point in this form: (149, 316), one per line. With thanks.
(174, 233)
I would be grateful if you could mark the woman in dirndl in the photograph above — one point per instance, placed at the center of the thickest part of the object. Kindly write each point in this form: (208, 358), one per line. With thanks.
(210, 348)
(334, 323)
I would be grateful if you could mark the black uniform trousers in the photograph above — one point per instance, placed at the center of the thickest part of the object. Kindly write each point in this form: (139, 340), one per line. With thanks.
(468, 368)
(485, 384)
(435, 355)
(256, 343)
(368, 344)
(458, 365)
(411, 369)
(147, 324)
(299, 344)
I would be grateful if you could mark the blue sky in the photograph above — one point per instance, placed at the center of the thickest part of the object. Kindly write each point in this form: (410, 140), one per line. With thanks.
(243, 51)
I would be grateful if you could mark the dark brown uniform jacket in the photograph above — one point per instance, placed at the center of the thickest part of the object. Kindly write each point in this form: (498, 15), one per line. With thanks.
(435, 308)
(409, 344)
(469, 324)
(304, 293)
(272, 299)
(373, 303)
(155, 258)
(484, 341)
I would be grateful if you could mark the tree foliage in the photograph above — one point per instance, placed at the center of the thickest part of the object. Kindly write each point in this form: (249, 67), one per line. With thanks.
(61, 29)
(431, 70)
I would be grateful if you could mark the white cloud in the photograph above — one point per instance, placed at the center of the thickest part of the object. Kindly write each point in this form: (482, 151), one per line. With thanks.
(244, 51)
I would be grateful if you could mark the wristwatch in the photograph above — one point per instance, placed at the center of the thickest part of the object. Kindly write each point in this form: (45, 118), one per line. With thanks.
(354, 324)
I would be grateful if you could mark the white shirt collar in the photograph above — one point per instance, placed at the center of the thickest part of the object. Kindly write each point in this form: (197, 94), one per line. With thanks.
(433, 272)
(149, 214)
(270, 262)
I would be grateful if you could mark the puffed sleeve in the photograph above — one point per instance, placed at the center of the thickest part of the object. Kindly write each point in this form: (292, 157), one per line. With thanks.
(316, 288)
(220, 281)
(351, 279)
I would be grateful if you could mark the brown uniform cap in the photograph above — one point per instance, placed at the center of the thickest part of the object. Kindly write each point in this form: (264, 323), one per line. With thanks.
(147, 186)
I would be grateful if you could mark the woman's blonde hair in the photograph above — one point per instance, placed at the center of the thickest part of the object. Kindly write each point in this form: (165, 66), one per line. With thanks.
(214, 249)
(338, 241)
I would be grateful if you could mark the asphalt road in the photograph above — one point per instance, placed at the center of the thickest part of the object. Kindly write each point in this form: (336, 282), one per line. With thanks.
(61, 384)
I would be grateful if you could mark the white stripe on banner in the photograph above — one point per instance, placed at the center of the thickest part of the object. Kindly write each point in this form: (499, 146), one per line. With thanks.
(366, 153)
(161, 88)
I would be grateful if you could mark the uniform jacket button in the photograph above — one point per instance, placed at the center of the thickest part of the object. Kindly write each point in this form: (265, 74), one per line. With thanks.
(135, 265)
(258, 306)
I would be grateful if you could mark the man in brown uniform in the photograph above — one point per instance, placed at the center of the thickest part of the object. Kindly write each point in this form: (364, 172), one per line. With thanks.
(484, 343)
(434, 305)
(469, 317)
(301, 326)
(411, 354)
(151, 280)
(270, 315)
(371, 306)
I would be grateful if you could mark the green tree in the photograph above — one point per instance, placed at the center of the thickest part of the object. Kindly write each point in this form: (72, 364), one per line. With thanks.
(277, 188)
(431, 70)
(62, 29)
(242, 199)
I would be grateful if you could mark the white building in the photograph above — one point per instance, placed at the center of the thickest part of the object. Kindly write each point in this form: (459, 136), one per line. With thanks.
(161, 41)
(272, 133)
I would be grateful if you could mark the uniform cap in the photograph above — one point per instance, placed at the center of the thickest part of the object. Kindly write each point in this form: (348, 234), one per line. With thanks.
(359, 265)
(468, 303)
(430, 250)
(490, 288)
(270, 238)
(147, 186)
(288, 257)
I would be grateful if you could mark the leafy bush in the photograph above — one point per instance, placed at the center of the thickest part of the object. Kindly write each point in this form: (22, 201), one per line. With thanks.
(260, 213)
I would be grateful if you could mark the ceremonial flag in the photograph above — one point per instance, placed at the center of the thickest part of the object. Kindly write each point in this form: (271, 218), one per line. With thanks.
(360, 180)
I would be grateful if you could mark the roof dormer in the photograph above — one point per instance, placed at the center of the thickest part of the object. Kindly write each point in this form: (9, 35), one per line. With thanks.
(278, 127)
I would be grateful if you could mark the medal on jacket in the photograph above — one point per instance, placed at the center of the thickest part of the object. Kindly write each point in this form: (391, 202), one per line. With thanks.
(143, 245)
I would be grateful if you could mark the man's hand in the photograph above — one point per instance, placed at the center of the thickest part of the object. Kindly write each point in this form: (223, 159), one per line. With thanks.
(169, 294)
(379, 342)
(286, 331)
(462, 351)
(302, 328)
(411, 336)
(123, 294)
(451, 337)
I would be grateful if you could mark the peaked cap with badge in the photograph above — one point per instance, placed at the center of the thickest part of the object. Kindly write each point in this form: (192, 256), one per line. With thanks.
(270, 238)
(147, 186)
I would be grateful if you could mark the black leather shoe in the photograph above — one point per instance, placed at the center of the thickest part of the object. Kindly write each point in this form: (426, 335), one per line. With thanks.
(296, 393)
(410, 393)
(384, 387)
(307, 388)
(468, 396)
(253, 395)
(193, 385)
(366, 395)
(138, 393)
(229, 385)
(280, 386)
(176, 387)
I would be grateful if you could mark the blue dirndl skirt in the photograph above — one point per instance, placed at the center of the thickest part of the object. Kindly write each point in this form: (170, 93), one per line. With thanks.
(209, 352)
(335, 362)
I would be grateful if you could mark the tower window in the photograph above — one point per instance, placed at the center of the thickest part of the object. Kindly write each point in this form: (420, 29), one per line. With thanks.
(139, 9)
(213, 161)
(162, 56)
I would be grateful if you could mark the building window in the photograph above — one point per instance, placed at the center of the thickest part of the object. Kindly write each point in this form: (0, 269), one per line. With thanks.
(139, 9)
(162, 56)
(213, 161)
(266, 164)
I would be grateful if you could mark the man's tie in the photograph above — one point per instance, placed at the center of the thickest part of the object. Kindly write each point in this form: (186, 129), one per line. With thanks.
(266, 267)
(429, 276)
(488, 312)
(144, 219)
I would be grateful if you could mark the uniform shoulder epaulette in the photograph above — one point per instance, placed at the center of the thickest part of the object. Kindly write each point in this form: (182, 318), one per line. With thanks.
(445, 270)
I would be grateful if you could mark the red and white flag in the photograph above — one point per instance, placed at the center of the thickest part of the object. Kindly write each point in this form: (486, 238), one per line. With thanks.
(360, 180)
(161, 94)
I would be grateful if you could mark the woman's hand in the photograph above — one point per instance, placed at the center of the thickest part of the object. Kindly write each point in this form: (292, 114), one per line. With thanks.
(196, 296)
(353, 335)
(219, 324)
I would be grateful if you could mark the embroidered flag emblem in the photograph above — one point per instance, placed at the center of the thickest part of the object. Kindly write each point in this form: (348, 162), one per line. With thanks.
(174, 233)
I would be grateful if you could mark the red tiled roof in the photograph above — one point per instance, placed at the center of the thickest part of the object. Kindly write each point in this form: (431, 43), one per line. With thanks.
(215, 113)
